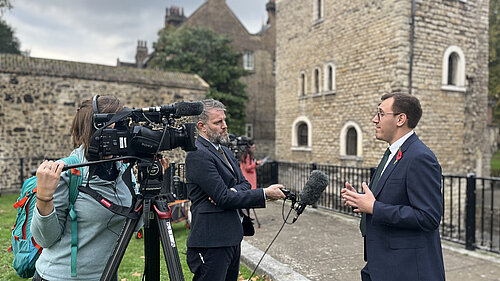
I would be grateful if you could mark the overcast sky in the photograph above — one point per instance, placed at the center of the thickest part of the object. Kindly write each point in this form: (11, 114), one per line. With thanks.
(100, 31)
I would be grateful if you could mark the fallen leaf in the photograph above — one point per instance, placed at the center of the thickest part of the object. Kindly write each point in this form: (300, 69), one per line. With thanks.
(136, 274)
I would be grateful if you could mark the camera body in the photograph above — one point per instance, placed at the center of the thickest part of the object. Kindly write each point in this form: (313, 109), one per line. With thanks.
(238, 144)
(143, 132)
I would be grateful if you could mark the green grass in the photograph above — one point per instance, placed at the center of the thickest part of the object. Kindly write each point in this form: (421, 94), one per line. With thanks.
(495, 160)
(131, 267)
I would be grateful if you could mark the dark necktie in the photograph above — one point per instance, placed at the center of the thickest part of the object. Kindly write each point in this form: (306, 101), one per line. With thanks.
(225, 158)
(378, 173)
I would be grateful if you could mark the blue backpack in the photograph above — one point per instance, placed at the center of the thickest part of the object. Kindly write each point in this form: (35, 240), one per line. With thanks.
(26, 250)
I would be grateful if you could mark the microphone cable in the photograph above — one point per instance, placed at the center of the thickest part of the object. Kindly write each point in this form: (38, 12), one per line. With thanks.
(276, 236)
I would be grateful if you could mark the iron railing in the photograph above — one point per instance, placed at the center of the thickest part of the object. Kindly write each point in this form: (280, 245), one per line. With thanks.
(471, 204)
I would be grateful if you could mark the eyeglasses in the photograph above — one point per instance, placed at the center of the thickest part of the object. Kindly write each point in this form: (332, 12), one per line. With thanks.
(382, 114)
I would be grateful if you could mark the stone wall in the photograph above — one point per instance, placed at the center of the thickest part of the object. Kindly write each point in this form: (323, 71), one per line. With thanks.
(39, 97)
(369, 43)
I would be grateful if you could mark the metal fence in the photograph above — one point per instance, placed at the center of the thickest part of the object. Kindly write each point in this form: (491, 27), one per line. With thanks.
(471, 204)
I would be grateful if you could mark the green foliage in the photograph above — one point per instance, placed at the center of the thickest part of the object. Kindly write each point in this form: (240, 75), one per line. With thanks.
(199, 50)
(494, 57)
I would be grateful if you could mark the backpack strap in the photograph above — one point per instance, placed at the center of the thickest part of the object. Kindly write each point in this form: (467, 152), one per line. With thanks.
(75, 180)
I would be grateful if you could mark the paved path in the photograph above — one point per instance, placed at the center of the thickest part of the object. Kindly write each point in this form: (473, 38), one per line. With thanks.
(326, 246)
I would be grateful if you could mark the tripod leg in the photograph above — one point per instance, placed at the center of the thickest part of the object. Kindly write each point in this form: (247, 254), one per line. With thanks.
(152, 252)
(164, 217)
(115, 259)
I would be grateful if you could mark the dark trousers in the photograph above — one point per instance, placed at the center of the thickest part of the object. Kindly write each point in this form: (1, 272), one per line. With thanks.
(214, 264)
(37, 277)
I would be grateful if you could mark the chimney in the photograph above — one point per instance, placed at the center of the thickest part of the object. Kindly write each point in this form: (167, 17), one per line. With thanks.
(174, 16)
(141, 53)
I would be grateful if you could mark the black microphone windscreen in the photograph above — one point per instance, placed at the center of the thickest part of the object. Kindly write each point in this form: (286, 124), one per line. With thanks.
(183, 108)
(314, 187)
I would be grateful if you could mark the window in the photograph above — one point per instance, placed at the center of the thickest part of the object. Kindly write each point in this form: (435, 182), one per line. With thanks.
(316, 89)
(351, 140)
(248, 60)
(249, 130)
(302, 84)
(301, 134)
(317, 10)
(453, 70)
(329, 79)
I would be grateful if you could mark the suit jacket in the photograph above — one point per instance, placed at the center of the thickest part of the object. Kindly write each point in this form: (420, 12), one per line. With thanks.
(402, 235)
(209, 175)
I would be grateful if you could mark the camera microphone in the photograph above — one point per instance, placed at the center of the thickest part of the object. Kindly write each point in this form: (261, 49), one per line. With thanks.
(180, 108)
(312, 191)
(183, 108)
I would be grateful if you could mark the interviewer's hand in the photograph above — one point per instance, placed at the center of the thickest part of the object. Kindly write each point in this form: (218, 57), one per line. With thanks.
(274, 192)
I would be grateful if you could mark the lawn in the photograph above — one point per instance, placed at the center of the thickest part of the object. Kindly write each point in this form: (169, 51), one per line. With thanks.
(131, 267)
(495, 164)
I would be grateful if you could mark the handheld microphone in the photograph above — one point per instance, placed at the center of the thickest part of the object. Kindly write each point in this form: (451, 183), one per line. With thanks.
(312, 191)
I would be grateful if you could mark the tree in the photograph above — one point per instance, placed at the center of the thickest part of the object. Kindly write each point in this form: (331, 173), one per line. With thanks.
(199, 50)
(494, 57)
(8, 42)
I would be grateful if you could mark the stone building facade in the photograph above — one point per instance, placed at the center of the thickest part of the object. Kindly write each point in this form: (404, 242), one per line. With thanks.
(39, 98)
(258, 57)
(333, 63)
(258, 52)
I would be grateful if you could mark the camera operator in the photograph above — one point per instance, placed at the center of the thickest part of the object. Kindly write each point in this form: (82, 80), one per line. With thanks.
(217, 190)
(98, 227)
(248, 164)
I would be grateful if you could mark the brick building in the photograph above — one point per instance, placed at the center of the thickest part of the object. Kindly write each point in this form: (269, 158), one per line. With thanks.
(333, 63)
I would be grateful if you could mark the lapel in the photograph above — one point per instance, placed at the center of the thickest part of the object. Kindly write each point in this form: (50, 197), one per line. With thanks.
(217, 154)
(390, 167)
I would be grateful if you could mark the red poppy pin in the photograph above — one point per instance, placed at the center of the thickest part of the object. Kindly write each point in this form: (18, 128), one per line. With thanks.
(399, 155)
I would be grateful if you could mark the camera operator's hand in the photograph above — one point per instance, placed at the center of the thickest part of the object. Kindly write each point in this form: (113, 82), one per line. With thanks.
(274, 192)
(47, 179)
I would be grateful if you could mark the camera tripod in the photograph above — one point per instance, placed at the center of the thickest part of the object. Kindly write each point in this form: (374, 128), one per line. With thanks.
(152, 205)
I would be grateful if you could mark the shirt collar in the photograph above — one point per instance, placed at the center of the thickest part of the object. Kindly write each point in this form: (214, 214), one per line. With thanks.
(216, 146)
(397, 144)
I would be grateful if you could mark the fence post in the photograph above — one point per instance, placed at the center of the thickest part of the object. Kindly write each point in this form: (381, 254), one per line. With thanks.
(470, 212)
(21, 174)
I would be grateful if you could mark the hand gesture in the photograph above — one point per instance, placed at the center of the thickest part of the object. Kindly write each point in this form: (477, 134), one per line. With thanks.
(363, 203)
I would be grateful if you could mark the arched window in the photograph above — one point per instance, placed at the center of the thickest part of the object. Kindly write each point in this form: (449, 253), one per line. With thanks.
(301, 134)
(453, 70)
(302, 84)
(316, 89)
(329, 78)
(351, 140)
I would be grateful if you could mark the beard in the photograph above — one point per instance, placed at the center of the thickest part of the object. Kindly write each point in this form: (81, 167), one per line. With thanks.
(218, 138)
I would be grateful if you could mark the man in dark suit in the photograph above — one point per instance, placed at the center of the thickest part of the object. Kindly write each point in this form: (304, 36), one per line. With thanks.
(402, 207)
(217, 190)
